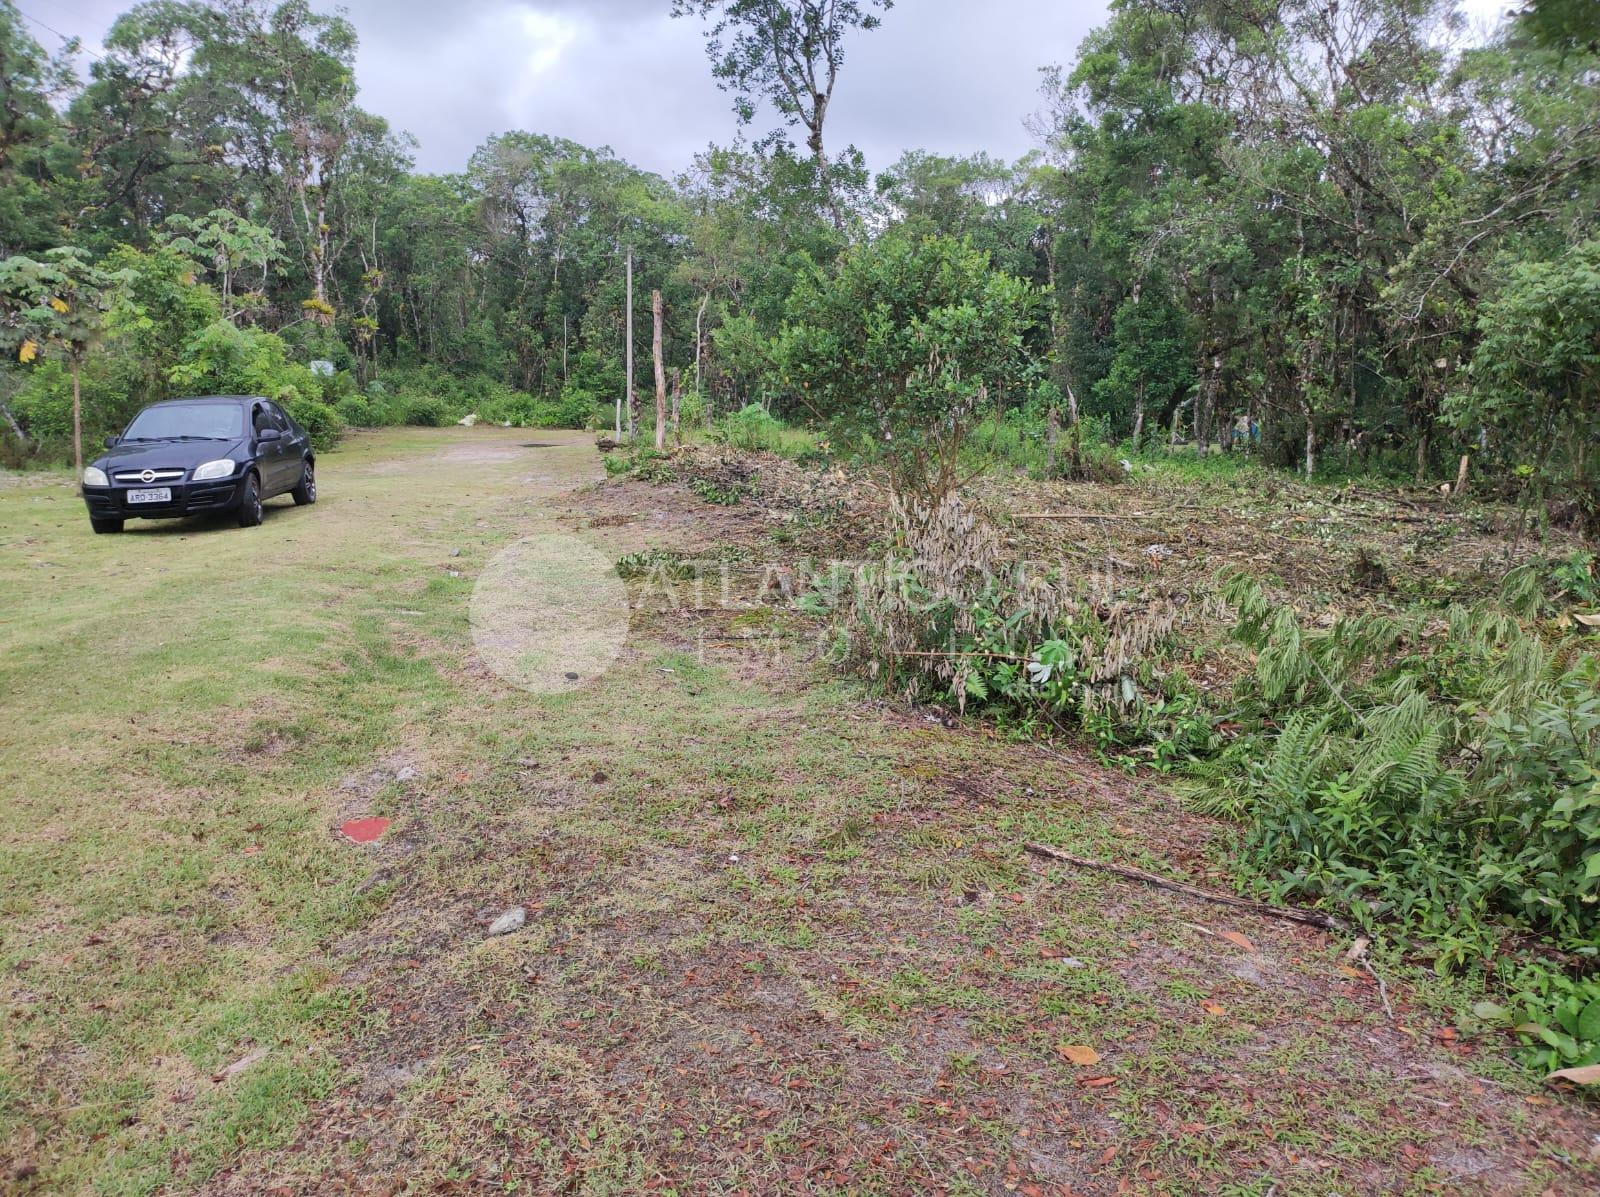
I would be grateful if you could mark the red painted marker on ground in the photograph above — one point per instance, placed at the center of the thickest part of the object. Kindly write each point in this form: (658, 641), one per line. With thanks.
(363, 831)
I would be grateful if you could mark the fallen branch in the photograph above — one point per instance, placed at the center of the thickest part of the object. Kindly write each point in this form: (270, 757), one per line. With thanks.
(1311, 918)
(1088, 515)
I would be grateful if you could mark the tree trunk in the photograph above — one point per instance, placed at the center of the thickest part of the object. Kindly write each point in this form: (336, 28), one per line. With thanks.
(1075, 430)
(1423, 446)
(15, 427)
(661, 374)
(699, 338)
(1311, 441)
(1206, 407)
(824, 171)
(1138, 416)
(77, 418)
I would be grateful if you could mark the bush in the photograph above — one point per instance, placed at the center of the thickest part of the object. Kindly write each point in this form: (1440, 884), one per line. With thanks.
(357, 410)
(43, 406)
(902, 344)
(751, 427)
(222, 359)
(426, 411)
(322, 422)
(945, 616)
(1438, 774)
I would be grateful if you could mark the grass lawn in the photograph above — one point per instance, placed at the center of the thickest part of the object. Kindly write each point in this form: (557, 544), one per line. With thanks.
(780, 938)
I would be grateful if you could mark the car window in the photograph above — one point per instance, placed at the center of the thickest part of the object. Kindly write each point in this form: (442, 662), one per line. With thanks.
(279, 421)
(169, 421)
(261, 418)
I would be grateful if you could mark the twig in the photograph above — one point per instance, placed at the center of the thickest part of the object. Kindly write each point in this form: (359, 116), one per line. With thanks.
(969, 653)
(1312, 918)
(1109, 515)
(1087, 515)
(1383, 990)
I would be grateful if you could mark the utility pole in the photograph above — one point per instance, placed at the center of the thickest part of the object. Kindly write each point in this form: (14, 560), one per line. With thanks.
(632, 402)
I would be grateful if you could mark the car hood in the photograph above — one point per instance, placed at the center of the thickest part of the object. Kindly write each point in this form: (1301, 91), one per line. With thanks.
(155, 455)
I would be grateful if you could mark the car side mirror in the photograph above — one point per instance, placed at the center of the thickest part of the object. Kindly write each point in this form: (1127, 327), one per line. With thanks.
(111, 442)
(269, 434)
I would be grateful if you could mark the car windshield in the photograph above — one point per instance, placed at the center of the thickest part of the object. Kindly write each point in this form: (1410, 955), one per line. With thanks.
(187, 421)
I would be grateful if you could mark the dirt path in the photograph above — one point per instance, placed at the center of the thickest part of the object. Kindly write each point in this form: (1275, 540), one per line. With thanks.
(779, 939)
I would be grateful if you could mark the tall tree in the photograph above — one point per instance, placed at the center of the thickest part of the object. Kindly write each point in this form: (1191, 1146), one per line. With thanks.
(30, 81)
(787, 52)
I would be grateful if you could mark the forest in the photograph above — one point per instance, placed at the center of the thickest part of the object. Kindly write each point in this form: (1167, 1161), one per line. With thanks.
(1348, 239)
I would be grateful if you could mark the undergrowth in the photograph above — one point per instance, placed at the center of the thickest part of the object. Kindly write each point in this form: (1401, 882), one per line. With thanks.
(1433, 776)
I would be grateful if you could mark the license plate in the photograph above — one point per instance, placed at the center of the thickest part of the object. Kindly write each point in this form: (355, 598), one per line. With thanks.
(159, 494)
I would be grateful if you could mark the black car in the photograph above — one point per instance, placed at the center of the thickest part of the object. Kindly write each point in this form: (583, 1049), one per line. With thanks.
(197, 457)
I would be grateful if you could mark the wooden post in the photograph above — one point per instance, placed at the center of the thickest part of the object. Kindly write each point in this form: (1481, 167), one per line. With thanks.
(677, 400)
(661, 374)
(633, 403)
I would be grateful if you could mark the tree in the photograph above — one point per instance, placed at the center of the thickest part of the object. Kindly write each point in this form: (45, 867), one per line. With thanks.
(1153, 366)
(30, 80)
(1536, 373)
(229, 243)
(787, 52)
(661, 375)
(902, 343)
(57, 303)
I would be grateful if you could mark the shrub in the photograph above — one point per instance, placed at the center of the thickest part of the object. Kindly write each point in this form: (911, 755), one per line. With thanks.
(902, 344)
(222, 359)
(751, 427)
(356, 410)
(426, 411)
(1441, 773)
(945, 616)
(322, 422)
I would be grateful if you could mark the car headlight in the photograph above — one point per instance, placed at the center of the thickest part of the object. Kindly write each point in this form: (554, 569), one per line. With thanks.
(214, 469)
(95, 476)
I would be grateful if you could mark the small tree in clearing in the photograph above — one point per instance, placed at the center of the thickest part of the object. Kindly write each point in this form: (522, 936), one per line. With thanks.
(59, 303)
(902, 343)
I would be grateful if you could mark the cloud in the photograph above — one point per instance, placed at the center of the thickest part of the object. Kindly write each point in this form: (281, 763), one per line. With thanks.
(955, 76)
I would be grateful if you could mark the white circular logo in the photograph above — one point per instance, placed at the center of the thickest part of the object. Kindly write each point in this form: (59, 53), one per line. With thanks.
(549, 613)
(147, 476)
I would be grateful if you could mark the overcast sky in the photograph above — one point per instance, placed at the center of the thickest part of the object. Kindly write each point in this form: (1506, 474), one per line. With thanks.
(954, 76)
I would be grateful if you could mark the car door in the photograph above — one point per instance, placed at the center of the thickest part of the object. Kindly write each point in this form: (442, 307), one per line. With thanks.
(269, 453)
(295, 446)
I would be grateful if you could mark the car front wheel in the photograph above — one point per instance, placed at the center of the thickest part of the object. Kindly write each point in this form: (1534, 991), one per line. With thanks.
(306, 492)
(103, 526)
(250, 505)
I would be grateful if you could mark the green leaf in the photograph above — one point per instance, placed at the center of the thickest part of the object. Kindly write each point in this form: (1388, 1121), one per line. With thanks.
(1589, 1022)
